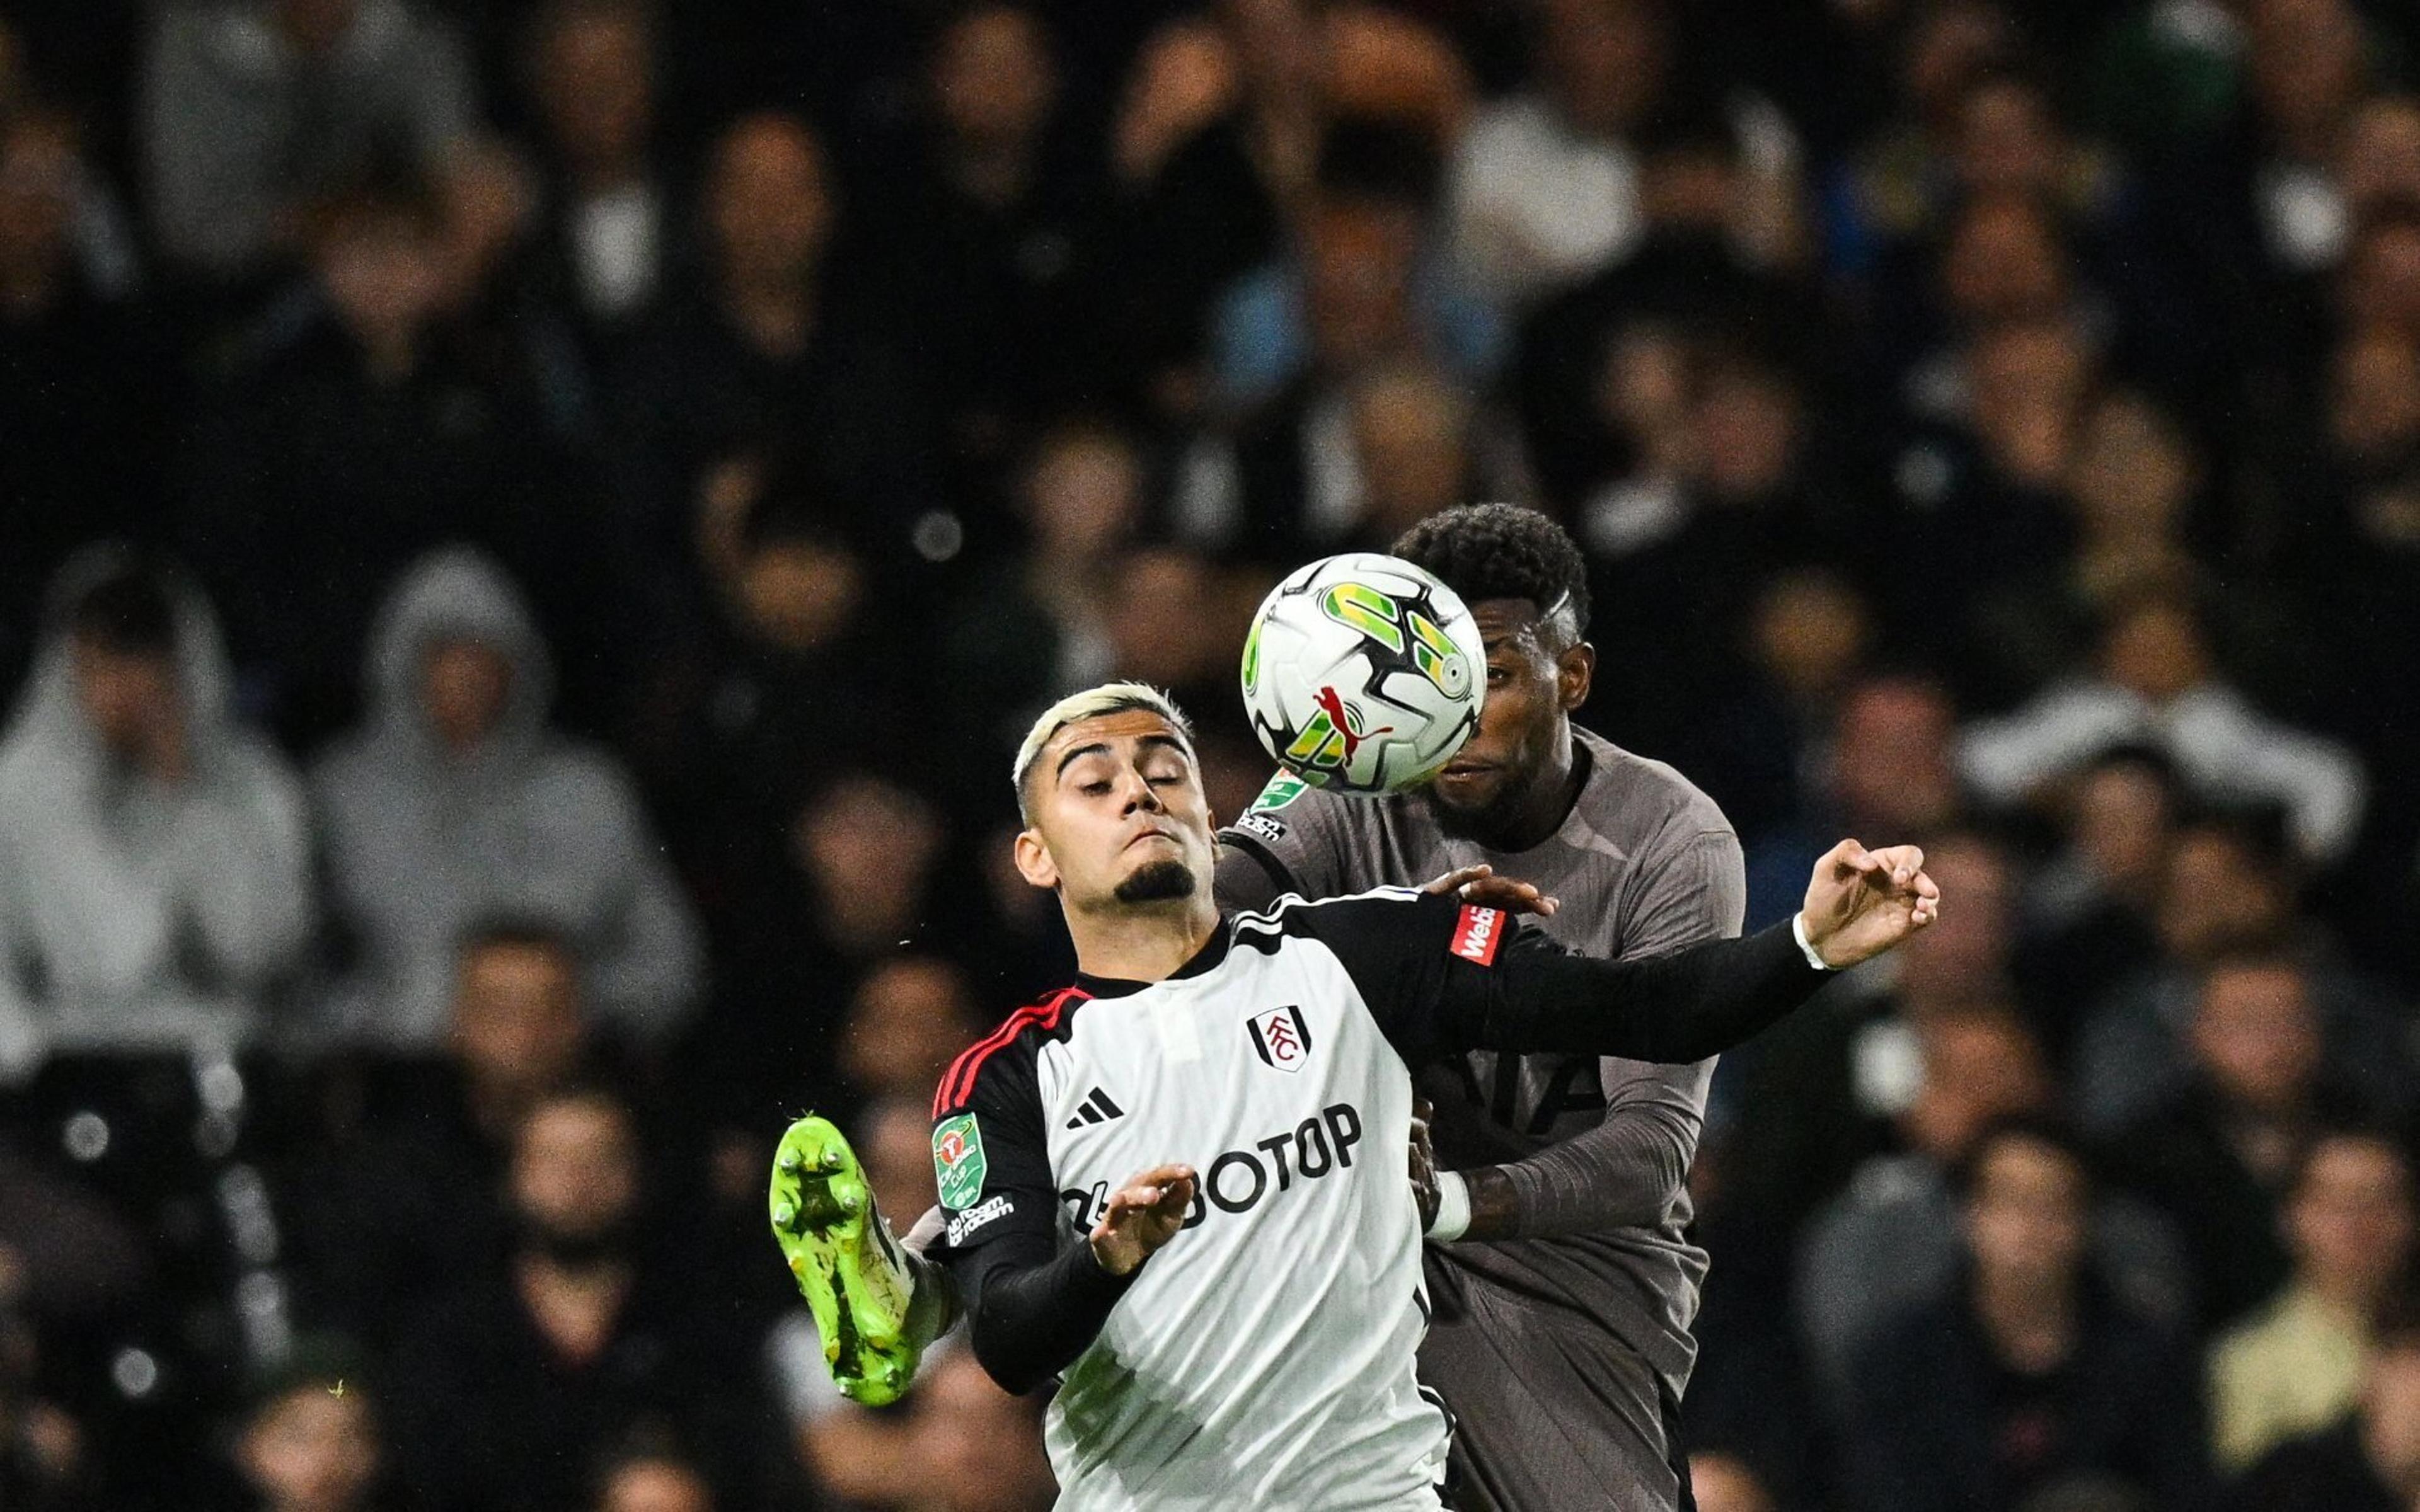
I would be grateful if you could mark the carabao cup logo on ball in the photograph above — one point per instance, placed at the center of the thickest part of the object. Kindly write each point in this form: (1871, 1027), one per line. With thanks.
(1362, 673)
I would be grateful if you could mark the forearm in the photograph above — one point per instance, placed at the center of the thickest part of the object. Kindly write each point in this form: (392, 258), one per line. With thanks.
(1671, 1009)
(1624, 1173)
(1028, 1323)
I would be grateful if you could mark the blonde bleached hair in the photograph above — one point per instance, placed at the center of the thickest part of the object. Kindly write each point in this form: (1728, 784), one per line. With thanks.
(1092, 704)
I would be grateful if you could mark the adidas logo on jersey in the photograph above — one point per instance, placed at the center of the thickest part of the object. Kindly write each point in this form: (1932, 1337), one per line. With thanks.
(1095, 1109)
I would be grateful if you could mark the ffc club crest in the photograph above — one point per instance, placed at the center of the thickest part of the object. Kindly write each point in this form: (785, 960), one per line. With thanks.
(1281, 1037)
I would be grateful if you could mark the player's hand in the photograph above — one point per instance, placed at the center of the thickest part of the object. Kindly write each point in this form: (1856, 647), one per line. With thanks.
(1861, 902)
(1479, 884)
(1143, 1216)
(1424, 1177)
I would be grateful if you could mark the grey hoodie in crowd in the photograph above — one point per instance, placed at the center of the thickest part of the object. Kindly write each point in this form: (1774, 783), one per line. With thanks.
(422, 847)
(136, 916)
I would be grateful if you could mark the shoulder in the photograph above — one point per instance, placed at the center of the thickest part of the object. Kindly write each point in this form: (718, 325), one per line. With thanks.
(578, 771)
(346, 772)
(1645, 797)
(1002, 1063)
(258, 770)
(1293, 914)
(1367, 930)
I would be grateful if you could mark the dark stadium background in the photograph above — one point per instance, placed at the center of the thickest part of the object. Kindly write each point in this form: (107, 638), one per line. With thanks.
(1993, 425)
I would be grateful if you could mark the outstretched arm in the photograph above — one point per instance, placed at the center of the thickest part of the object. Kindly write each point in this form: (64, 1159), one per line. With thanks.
(1702, 1000)
(1442, 976)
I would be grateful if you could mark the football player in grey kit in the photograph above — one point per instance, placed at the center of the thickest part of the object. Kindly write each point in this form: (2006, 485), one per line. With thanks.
(1563, 1280)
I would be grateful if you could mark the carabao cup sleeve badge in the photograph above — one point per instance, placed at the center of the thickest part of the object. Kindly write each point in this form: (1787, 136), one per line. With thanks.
(958, 1160)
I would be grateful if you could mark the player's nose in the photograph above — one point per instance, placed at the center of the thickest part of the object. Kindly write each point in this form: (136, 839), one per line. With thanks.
(1140, 794)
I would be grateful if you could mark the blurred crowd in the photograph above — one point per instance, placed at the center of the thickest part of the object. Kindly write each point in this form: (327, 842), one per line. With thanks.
(528, 529)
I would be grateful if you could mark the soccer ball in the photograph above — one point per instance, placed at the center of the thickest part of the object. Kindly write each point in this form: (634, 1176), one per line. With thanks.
(1363, 674)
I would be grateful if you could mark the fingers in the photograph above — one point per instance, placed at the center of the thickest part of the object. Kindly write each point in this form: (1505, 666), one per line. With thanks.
(1460, 878)
(1160, 1187)
(1903, 862)
(1512, 896)
(1927, 906)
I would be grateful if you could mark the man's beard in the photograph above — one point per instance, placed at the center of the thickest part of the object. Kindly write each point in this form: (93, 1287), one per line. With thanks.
(1483, 825)
(1156, 882)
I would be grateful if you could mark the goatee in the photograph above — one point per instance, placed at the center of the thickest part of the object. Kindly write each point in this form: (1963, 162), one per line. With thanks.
(1483, 825)
(1156, 882)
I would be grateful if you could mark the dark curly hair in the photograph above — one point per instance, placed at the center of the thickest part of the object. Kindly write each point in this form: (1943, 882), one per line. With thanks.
(1485, 551)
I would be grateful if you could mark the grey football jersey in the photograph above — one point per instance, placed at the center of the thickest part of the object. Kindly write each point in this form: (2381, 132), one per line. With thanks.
(1643, 864)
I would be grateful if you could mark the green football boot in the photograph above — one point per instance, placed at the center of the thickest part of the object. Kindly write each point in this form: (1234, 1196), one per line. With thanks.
(856, 1279)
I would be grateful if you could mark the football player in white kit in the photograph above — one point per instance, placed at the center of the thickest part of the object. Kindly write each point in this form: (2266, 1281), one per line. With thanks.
(1177, 1186)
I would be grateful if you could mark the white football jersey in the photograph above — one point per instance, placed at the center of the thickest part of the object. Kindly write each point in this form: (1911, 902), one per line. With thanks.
(1264, 1357)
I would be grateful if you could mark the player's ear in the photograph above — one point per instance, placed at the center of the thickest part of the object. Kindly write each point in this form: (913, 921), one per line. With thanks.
(1034, 862)
(1575, 674)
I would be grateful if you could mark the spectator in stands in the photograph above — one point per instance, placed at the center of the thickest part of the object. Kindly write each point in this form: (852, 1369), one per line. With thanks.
(2156, 681)
(1744, 487)
(383, 1217)
(1897, 180)
(774, 343)
(82, 400)
(1992, 423)
(2219, 1155)
(1364, 283)
(652, 1474)
(2294, 1367)
(2310, 70)
(1216, 147)
(457, 802)
(1886, 768)
(311, 1440)
(1824, 1093)
(606, 227)
(908, 1019)
(508, 1392)
(850, 879)
(2032, 1374)
(2091, 908)
(1546, 184)
(735, 720)
(154, 859)
(2230, 889)
(2131, 480)
(1005, 210)
(1888, 1243)
(1035, 622)
(1686, 280)
(2368, 1463)
(358, 432)
(254, 109)
(1809, 633)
